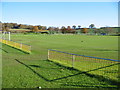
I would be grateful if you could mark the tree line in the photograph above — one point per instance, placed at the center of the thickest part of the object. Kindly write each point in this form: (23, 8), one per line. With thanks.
(52, 30)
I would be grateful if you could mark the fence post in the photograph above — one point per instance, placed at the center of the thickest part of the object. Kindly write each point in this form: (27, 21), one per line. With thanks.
(6, 41)
(30, 48)
(21, 45)
(9, 36)
(48, 54)
(15, 44)
(73, 58)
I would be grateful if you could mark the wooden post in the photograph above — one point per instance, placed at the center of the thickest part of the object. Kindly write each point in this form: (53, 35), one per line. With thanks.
(21, 45)
(30, 49)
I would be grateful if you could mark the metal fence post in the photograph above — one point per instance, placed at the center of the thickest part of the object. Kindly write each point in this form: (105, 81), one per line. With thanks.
(48, 54)
(30, 48)
(73, 58)
(15, 44)
(21, 45)
(6, 41)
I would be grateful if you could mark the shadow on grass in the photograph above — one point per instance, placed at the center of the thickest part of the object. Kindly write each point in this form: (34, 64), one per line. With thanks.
(16, 49)
(4, 50)
(98, 77)
(88, 86)
(36, 66)
(32, 70)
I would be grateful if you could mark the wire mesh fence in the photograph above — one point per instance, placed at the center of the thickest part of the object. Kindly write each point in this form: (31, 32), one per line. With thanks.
(94, 65)
(60, 57)
(20, 46)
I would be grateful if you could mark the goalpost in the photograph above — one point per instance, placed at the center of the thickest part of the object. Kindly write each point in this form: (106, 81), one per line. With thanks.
(4, 35)
(6, 39)
(9, 36)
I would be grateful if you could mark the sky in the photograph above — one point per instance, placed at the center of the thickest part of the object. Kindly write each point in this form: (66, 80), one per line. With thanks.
(60, 14)
(59, 0)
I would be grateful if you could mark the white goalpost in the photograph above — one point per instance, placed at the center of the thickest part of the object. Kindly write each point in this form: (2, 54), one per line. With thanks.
(9, 36)
(5, 36)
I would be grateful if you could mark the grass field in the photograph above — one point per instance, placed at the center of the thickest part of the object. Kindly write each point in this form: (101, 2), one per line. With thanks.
(22, 70)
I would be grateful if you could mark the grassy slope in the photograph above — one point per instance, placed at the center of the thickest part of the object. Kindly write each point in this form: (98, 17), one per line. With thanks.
(21, 70)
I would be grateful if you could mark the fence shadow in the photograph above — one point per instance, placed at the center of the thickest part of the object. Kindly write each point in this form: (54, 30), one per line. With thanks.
(37, 66)
(32, 70)
(4, 50)
(78, 84)
(98, 77)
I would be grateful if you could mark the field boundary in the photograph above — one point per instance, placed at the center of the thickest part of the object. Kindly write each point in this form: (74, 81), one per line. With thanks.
(20, 46)
(94, 65)
(83, 55)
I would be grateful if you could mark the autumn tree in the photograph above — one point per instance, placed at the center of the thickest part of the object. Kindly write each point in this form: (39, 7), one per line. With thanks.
(7, 29)
(51, 30)
(85, 30)
(57, 30)
(68, 28)
(30, 27)
(63, 29)
(14, 26)
(44, 28)
(35, 29)
(21, 26)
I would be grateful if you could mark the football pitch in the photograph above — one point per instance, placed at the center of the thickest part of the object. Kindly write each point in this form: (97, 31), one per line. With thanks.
(21, 70)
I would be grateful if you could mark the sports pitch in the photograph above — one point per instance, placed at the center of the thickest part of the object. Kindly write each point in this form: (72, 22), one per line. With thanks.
(21, 70)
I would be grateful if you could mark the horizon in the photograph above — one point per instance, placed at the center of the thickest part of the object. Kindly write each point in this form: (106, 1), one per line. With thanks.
(58, 14)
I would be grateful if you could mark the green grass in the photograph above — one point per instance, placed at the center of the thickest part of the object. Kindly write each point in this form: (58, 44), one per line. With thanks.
(0, 67)
(99, 46)
(22, 70)
(106, 68)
